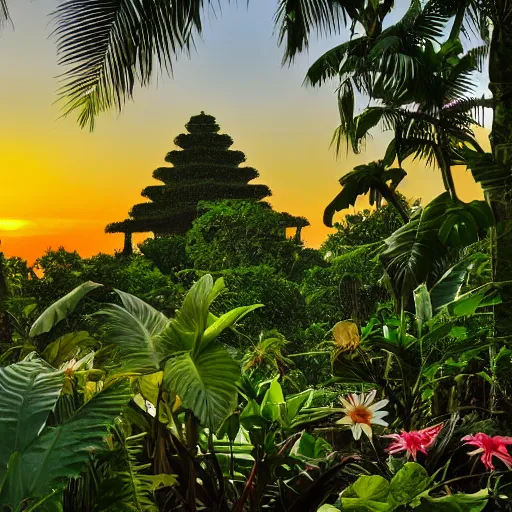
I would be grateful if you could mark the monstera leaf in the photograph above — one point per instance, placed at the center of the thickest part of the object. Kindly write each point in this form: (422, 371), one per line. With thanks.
(411, 252)
(36, 460)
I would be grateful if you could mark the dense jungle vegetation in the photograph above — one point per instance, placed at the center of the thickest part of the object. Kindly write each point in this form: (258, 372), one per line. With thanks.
(226, 367)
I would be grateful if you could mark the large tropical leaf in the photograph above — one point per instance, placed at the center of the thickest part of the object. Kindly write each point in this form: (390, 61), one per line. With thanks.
(61, 452)
(135, 329)
(67, 347)
(36, 460)
(414, 250)
(28, 392)
(61, 309)
(224, 322)
(448, 287)
(110, 46)
(205, 383)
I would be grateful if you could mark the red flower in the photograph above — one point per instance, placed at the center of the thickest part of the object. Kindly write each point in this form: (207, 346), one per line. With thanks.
(490, 447)
(413, 442)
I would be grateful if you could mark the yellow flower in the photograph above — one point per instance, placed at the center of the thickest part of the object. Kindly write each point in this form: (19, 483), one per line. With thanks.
(361, 414)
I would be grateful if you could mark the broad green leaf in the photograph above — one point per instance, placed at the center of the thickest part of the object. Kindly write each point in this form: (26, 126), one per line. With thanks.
(61, 452)
(455, 503)
(251, 416)
(412, 479)
(295, 403)
(135, 329)
(230, 427)
(28, 392)
(449, 285)
(61, 309)
(367, 494)
(328, 508)
(149, 386)
(193, 314)
(422, 304)
(224, 322)
(413, 249)
(273, 404)
(66, 347)
(310, 447)
(206, 383)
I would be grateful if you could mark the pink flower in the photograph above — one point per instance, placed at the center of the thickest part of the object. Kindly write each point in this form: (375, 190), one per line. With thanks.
(490, 447)
(413, 442)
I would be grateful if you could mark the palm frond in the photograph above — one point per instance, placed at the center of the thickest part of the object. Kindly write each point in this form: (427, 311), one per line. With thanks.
(131, 487)
(4, 12)
(296, 20)
(334, 62)
(109, 46)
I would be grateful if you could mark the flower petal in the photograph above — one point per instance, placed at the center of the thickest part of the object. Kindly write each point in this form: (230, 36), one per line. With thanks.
(348, 406)
(367, 430)
(378, 421)
(379, 405)
(354, 398)
(370, 397)
(346, 420)
(380, 414)
(356, 431)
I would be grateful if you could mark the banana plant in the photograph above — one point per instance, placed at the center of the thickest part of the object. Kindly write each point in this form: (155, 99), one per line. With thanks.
(38, 454)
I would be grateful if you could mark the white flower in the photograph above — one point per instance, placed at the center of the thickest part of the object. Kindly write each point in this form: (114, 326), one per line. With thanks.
(361, 415)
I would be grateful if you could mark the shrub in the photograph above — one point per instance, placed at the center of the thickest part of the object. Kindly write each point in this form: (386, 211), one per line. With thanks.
(168, 253)
(348, 288)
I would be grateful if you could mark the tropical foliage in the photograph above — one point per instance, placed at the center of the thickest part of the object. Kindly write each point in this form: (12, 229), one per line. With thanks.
(231, 369)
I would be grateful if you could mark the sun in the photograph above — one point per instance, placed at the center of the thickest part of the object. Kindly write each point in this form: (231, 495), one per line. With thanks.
(13, 224)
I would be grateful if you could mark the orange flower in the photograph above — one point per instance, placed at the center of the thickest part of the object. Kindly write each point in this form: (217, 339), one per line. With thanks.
(361, 414)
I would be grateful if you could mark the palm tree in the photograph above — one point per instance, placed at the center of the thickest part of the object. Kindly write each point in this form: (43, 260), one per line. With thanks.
(372, 178)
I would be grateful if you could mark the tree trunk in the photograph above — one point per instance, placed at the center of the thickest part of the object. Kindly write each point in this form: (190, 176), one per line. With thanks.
(128, 247)
(500, 200)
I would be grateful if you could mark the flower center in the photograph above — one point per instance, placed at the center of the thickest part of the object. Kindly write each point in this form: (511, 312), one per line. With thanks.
(361, 414)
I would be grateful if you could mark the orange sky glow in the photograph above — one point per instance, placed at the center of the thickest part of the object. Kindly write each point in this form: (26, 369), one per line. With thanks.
(61, 185)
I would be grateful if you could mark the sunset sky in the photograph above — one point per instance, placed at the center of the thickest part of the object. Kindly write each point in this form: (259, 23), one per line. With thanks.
(61, 185)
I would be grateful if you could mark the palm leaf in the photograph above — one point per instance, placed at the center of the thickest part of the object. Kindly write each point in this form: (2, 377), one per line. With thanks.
(109, 46)
(4, 12)
(297, 18)
(489, 172)
(61, 309)
(131, 489)
(331, 63)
